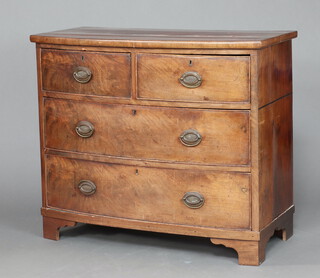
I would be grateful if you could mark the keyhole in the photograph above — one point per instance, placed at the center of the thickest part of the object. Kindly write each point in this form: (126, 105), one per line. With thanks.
(190, 63)
(134, 112)
(82, 58)
(137, 172)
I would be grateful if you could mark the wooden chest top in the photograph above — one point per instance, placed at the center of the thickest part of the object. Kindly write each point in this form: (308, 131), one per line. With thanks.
(148, 38)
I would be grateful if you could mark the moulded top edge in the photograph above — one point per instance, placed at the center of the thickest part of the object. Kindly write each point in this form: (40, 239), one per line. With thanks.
(152, 38)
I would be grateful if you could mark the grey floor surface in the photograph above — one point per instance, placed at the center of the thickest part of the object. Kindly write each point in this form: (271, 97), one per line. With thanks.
(95, 251)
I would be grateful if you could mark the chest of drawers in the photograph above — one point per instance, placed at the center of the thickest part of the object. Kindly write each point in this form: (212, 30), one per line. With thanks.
(168, 131)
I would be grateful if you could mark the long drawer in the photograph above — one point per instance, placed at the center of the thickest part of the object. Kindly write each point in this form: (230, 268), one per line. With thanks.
(209, 198)
(151, 133)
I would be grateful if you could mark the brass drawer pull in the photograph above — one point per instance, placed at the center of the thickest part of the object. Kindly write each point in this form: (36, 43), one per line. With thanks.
(190, 138)
(191, 79)
(87, 187)
(82, 75)
(193, 200)
(84, 129)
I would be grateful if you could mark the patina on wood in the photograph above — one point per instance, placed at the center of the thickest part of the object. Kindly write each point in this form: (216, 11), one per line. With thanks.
(184, 132)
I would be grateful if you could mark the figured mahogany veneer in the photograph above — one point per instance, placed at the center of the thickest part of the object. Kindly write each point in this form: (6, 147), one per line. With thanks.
(149, 133)
(149, 194)
(184, 132)
(111, 72)
(224, 78)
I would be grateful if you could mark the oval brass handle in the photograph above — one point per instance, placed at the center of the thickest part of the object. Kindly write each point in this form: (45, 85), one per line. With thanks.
(84, 129)
(191, 79)
(87, 187)
(193, 200)
(82, 75)
(190, 138)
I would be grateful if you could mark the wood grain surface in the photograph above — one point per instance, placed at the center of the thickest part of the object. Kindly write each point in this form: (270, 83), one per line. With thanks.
(275, 159)
(284, 221)
(111, 72)
(253, 252)
(149, 133)
(224, 78)
(51, 227)
(275, 72)
(150, 194)
(148, 38)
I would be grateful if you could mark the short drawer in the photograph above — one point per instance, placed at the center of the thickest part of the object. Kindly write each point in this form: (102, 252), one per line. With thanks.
(168, 134)
(193, 78)
(207, 198)
(81, 72)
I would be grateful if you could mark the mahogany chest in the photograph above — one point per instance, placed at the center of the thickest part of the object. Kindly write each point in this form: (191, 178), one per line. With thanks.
(184, 132)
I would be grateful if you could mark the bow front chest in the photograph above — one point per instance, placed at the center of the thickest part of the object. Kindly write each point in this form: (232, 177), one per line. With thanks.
(184, 132)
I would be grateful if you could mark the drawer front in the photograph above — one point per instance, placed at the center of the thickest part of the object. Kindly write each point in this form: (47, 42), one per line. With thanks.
(176, 135)
(149, 194)
(106, 74)
(193, 78)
